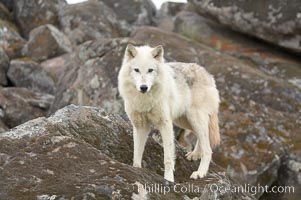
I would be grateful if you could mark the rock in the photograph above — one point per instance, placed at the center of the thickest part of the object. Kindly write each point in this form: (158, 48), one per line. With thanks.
(20, 105)
(194, 26)
(273, 21)
(259, 112)
(8, 4)
(29, 74)
(3, 127)
(90, 76)
(289, 180)
(4, 63)
(171, 8)
(45, 42)
(166, 15)
(89, 152)
(30, 14)
(56, 67)
(260, 55)
(10, 39)
(89, 20)
(134, 12)
(4, 13)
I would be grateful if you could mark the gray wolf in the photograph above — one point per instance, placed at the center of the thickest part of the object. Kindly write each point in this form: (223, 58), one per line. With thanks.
(157, 94)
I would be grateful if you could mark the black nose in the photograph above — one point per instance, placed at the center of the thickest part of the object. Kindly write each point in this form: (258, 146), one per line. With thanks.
(143, 88)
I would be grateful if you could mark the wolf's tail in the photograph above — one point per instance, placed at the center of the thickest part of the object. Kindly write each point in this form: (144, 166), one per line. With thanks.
(214, 134)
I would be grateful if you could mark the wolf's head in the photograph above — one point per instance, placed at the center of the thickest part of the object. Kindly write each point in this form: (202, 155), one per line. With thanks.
(142, 63)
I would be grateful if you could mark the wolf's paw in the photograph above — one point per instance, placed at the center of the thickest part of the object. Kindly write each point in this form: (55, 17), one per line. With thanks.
(198, 174)
(136, 165)
(193, 155)
(168, 175)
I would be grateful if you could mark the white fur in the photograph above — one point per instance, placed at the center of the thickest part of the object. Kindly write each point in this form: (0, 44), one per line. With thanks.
(183, 93)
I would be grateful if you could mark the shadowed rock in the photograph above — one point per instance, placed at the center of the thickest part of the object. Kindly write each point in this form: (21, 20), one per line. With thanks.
(4, 13)
(4, 63)
(84, 152)
(19, 105)
(29, 74)
(7, 3)
(3, 127)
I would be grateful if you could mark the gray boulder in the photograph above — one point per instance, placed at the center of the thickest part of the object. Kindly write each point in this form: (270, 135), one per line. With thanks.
(10, 39)
(90, 75)
(29, 74)
(30, 14)
(133, 12)
(275, 21)
(90, 20)
(19, 105)
(165, 16)
(85, 153)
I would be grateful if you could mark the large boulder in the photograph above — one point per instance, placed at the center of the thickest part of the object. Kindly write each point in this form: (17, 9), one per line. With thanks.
(259, 112)
(4, 63)
(30, 14)
(259, 54)
(289, 180)
(29, 74)
(10, 39)
(90, 75)
(85, 153)
(274, 21)
(45, 42)
(19, 105)
(165, 16)
(133, 12)
(90, 20)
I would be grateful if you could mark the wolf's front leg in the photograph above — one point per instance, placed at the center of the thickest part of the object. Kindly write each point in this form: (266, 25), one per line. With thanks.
(169, 150)
(140, 137)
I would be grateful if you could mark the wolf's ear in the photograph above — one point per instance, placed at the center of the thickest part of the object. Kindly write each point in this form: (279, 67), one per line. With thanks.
(130, 52)
(158, 52)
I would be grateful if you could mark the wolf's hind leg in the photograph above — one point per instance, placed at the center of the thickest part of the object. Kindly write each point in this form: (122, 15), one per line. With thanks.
(140, 137)
(196, 153)
(199, 123)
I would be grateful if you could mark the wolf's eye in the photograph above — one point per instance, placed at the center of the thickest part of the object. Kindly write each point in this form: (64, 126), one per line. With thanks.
(150, 70)
(136, 70)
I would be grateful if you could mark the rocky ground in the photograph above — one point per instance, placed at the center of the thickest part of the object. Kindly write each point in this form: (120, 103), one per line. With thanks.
(53, 54)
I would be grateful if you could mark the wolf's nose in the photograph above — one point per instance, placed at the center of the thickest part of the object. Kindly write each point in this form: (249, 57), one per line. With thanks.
(143, 88)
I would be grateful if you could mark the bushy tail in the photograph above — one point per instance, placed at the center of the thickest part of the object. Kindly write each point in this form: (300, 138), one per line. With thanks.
(214, 134)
